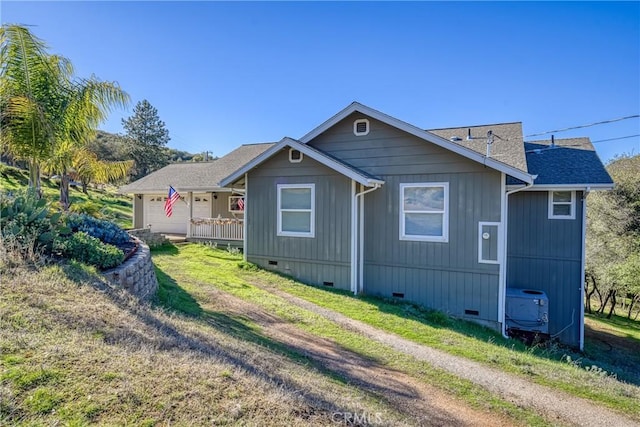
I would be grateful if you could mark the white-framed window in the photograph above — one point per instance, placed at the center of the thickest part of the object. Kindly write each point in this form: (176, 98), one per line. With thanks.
(361, 127)
(488, 242)
(236, 204)
(295, 156)
(562, 204)
(424, 211)
(296, 210)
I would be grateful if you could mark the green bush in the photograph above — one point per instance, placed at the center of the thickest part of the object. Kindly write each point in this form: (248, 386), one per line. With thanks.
(90, 250)
(89, 208)
(27, 225)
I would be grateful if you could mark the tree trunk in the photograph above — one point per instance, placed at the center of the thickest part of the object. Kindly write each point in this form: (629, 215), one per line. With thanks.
(633, 301)
(84, 187)
(64, 192)
(603, 305)
(589, 294)
(613, 305)
(34, 177)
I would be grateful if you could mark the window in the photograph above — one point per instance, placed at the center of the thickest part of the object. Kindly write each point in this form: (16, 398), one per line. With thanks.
(296, 210)
(424, 212)
(361, 127)
(562, 204)
(236, 204)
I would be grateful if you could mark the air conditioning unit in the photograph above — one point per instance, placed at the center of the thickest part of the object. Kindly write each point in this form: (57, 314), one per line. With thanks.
(527, 310)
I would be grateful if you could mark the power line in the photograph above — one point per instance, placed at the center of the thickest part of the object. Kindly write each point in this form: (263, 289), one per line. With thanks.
(584, 126)
(616, 139)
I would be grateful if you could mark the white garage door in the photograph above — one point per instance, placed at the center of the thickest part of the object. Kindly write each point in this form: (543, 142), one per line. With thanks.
(155, 217)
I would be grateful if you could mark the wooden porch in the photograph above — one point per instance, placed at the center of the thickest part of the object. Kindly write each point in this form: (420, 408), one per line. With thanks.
(217, 229)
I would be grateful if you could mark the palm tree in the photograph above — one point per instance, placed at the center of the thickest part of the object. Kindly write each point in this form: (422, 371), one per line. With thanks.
(47, 115)
(29, 81)
(88, 168)
(83, 105)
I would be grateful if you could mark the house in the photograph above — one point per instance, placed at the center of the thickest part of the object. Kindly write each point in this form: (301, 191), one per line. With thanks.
(206, 209)
(459, 220)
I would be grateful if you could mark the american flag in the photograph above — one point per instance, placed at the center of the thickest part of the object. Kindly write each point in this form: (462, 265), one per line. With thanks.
(241, 204)
(171, 199)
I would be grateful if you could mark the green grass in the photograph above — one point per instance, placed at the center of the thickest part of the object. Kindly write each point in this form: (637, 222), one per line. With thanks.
(74, 354)
(114, 207)
(195, 267)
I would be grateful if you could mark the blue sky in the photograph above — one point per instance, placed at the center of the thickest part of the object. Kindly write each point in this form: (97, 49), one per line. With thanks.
(223, 74)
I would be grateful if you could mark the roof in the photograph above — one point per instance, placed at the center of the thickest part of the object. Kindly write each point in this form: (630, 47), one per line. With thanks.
(320, 156)
(468, 152)
(507, 141)
(204, 176)
(571, 161)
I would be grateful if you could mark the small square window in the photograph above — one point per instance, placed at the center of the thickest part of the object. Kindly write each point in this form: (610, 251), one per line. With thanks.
(236, 204)
(562, 204)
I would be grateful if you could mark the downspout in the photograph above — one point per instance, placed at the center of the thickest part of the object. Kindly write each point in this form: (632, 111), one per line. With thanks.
(359, 249)
(582, 266)
(244, 219)
(503, 265)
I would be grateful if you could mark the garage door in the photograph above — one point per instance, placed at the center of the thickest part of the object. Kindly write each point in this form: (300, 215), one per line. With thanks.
(177, 224)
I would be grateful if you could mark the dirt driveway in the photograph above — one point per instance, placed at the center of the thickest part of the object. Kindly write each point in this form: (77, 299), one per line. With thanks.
(557, 407)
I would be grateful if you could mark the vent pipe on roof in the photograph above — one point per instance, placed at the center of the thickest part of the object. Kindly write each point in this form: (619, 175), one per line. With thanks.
(469, 137)
(489, 142)
(553, 141)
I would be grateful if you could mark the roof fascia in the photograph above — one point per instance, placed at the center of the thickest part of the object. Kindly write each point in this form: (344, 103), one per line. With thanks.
(565, 187)
(420, 133)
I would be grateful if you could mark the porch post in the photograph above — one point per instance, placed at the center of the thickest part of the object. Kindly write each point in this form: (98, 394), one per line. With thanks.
(190, 206)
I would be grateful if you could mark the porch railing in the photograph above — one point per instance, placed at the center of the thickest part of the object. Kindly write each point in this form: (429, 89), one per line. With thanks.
(216, 228)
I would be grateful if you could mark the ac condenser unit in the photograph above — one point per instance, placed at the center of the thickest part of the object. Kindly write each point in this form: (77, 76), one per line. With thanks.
(527, 310)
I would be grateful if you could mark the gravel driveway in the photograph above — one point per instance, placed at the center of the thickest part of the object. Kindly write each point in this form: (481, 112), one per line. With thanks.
(554, 404)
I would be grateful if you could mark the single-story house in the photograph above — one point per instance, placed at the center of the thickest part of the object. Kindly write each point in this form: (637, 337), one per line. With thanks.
(206, 210)
(472, 221)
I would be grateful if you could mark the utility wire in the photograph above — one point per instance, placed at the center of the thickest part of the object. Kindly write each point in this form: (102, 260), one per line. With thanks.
(584, 126)
(616, 139)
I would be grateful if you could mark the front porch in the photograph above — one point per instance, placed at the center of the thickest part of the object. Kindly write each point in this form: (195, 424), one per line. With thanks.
(221, 230)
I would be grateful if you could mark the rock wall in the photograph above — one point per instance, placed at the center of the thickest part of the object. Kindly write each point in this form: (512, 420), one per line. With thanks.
(149, 237)
(136, 274)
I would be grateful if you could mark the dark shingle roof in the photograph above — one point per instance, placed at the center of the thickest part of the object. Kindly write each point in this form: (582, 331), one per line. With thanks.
(570, 161)
(196, 176)
(507, 142)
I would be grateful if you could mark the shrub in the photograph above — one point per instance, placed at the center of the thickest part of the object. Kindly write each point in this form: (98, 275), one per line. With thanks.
(88, 208)
(27, 225)
(106, 231)
(90, 250)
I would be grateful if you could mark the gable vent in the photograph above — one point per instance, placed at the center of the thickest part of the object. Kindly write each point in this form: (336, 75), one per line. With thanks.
(361, 127)
(295, 156)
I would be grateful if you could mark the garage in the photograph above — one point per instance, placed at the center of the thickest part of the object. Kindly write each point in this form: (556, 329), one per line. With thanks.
(176, 224)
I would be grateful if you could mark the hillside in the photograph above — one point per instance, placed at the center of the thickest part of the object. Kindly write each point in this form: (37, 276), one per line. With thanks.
(103, 201)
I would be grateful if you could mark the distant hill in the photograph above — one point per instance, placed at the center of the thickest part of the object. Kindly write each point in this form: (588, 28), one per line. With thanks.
(112, 147)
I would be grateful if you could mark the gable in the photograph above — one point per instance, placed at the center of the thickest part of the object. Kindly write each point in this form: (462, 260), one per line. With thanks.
(387, 150)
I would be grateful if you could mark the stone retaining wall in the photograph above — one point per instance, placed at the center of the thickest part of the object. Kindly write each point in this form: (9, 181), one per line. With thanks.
(149, 237)
(136, 274)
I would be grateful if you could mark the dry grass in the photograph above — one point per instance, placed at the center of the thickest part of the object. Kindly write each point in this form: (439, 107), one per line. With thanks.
(76, 352)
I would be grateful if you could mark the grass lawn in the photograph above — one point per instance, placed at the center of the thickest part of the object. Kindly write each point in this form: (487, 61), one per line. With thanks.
(113, 207)
(195, 268)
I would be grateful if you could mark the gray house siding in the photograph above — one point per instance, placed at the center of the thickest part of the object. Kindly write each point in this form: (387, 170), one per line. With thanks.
(138, 211)
(444, 276)
(322, 259)
(546, 254)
